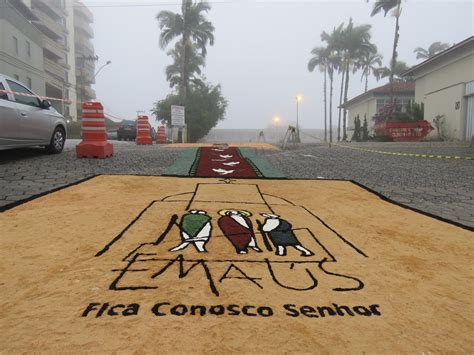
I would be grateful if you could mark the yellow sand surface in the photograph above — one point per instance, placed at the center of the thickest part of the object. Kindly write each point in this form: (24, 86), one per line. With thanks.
(203, 145)
(89, 268)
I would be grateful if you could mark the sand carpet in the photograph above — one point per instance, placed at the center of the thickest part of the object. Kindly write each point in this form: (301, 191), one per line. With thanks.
(113, 264)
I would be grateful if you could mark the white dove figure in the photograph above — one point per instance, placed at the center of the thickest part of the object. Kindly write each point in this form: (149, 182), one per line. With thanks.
(223, 172)
(232, 163)
(226, 156)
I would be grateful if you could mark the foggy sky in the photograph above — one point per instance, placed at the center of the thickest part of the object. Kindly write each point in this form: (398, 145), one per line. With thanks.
(261, 52)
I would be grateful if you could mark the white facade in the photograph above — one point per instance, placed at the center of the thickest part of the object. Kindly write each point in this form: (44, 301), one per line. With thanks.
(21, 52)
(442, 84)
(368, 104)
(40, 41)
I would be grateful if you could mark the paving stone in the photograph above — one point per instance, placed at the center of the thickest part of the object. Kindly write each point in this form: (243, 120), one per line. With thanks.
(438, 186)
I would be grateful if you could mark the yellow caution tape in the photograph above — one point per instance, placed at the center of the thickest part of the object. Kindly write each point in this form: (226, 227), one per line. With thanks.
(407, 154)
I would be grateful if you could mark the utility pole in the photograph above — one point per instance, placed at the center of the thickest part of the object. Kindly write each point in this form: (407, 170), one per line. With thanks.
(298, 99)
(83, 59)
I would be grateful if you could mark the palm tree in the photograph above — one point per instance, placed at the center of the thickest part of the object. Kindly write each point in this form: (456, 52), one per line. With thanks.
(332, 41)
(320, 59)
(332, 64)
(193, 28)
(398, 69)
(386, 6)
(435, 48)
(354, 42)
(195, 62)
(370, 62)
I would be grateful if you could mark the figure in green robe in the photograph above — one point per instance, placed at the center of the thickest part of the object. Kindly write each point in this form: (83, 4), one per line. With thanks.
(195, 228)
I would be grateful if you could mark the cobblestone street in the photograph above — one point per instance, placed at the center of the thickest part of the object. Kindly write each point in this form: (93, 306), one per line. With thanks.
(442, 187)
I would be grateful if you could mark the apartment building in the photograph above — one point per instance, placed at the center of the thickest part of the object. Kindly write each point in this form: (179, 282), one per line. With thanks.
(47, 45)
(21, 46)
(84, 55)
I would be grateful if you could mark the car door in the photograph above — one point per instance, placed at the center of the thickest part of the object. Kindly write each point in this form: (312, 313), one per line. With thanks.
(35, 122)
(9, 121)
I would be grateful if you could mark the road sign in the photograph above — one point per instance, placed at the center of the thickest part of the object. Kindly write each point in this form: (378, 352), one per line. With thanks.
(177, 116)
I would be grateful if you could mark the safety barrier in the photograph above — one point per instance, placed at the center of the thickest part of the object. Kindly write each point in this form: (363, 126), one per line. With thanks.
(143, 131)
(94, 136)
(161, 135)
(456, 157)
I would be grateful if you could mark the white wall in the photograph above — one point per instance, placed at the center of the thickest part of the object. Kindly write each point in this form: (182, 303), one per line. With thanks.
(440, 88)
(21, 64)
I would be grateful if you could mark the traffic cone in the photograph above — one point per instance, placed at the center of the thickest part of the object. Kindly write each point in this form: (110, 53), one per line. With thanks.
(161, 135)
(143, 131)
(94, 136)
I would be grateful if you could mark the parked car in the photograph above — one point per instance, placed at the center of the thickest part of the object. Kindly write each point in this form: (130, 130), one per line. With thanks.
(153, 133)
(112, 134)
(28, 120)
(128, 131)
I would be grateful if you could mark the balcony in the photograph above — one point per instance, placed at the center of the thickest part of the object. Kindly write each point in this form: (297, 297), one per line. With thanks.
(55, 69)
(84, 49)
(90, 93)
(84, 27)
(49, 26)
(85, 93)
(56, 49)
(51, 7)
(84, 76)
(81, 10)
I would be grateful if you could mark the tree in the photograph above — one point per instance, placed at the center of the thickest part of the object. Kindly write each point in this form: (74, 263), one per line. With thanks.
(205, 108)
(369, 62)
(432, 50)
(320, 59)
(331, 42)
(398, 69)
(396, 7)
(173, 71)
(353, 42)
(365, 130)
(193, 28)
(357, 132)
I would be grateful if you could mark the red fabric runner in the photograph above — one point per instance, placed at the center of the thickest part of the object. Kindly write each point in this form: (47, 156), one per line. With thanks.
(223, 162)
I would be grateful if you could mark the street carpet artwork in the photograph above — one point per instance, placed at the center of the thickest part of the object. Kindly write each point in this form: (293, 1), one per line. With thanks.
(222, 161)
(218, 265)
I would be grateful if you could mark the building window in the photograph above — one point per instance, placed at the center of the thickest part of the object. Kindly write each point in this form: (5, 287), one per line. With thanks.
(29, 83)
(403, 101)
(28, 49)
(15, 45)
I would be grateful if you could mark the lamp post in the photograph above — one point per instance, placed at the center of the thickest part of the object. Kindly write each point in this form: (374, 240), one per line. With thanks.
(298, 99)
(102, 67)
(276, 120)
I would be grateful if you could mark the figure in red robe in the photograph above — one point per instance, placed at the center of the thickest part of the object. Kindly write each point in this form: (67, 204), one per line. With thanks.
(237, 227)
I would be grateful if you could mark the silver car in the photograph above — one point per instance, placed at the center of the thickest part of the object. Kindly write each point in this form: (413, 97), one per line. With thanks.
(27, 120)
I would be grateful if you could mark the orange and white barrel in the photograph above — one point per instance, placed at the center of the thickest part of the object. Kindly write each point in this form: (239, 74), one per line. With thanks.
(161, 135)
(143, 131)
(94, 135)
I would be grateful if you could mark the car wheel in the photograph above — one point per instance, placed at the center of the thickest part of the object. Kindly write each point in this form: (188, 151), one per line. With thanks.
(58, 139)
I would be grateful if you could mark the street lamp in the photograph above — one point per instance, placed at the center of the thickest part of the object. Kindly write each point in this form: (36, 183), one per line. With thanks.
(298, 99)
(276, 120)
(102, 67)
